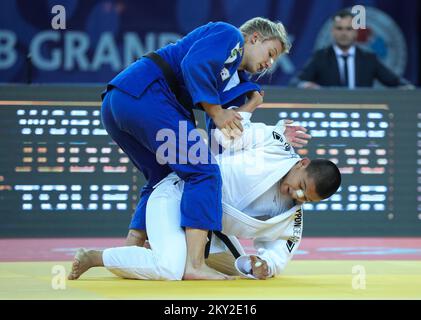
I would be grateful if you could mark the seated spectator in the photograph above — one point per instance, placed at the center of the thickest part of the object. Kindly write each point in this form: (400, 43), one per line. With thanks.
(344, 64)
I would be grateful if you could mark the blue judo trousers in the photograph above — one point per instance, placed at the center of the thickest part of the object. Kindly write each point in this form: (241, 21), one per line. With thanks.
(138, 103)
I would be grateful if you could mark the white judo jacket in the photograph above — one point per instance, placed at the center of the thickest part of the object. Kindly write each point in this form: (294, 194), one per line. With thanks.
(252, 164)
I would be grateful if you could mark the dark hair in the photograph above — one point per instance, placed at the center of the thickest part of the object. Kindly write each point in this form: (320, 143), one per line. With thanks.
(344, 13)
(326, 176)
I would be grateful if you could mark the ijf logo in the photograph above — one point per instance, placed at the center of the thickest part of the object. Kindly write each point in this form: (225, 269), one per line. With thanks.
(381, 35)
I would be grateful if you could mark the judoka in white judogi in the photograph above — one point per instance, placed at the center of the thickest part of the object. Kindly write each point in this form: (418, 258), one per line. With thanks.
(253, 208)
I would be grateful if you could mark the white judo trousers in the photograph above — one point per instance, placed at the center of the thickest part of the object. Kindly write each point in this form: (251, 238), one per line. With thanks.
(167, 257)
(276, 239)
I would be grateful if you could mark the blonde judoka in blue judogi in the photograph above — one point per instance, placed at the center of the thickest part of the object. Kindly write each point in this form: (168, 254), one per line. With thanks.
(139, 103)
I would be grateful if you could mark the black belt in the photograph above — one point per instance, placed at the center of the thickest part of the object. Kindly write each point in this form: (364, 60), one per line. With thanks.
(225, 240)
(172, 81)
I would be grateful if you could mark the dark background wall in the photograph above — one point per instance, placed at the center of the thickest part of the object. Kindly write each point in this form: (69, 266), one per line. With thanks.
(61, 175)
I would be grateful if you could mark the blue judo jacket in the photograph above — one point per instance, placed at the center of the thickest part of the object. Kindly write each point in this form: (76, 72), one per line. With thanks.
(203, 62)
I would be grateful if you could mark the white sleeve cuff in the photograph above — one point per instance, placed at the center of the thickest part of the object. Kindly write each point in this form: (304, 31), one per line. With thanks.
(280, 127)
(243, 266)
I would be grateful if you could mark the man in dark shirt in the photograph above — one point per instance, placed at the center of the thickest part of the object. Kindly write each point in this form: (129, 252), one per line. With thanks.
(344, 64)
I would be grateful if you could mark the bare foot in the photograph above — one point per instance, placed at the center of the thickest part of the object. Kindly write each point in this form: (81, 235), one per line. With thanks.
(204, 273)
(81, 264)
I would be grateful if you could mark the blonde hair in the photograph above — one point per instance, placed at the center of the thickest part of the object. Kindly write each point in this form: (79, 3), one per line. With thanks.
(268, 29)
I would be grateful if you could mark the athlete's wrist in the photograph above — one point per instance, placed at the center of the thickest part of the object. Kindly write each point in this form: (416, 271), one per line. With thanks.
(211, 109)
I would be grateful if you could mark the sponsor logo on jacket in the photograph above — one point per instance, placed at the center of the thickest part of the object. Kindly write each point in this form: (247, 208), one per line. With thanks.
(297, 230)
